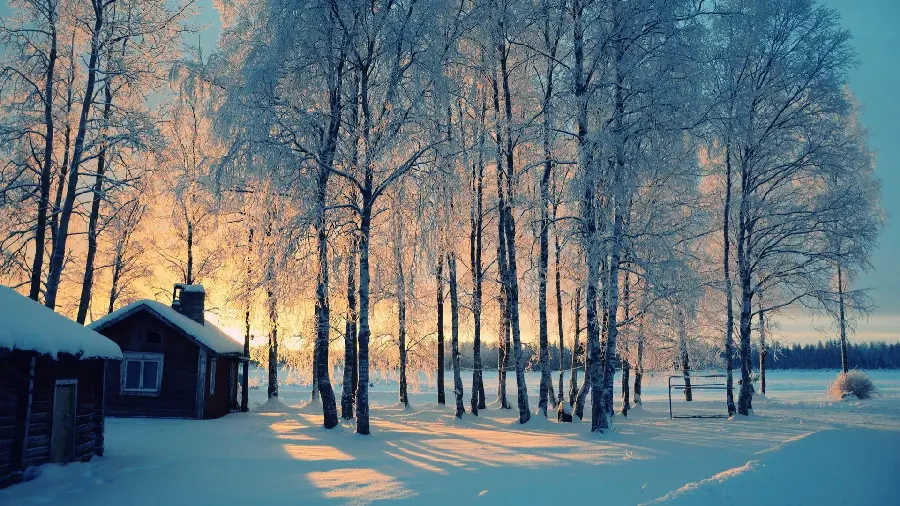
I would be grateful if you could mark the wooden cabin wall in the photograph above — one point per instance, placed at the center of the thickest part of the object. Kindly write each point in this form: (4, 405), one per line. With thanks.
(217, 405)
(177, 397)
(14, 385)
(14, 369)
(89, 374)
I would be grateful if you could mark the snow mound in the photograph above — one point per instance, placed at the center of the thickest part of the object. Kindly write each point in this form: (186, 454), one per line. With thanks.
(30, 326)
(208, 335)
(715, 479)
(272, 406)
(855, 383)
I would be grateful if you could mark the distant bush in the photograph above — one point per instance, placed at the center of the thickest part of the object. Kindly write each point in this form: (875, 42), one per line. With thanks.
(853, 382)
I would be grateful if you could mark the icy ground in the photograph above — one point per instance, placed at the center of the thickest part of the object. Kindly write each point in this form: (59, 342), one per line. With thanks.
(798, 448)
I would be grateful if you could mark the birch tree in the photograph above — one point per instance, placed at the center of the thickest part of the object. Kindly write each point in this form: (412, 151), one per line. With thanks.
(786, 85)
(30, 59)
(504, 138)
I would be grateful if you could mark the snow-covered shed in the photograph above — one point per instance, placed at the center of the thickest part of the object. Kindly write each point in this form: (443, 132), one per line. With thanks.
(51, 387)
(176, 363)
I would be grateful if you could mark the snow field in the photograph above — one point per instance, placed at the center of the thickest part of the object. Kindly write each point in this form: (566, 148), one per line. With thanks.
(798, 448)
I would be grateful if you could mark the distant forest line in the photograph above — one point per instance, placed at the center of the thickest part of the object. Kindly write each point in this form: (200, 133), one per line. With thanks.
(821, 355)
(827, 355)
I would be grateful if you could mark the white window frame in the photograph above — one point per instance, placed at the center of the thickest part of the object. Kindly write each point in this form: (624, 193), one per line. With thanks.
(141, 357)
(212, 377)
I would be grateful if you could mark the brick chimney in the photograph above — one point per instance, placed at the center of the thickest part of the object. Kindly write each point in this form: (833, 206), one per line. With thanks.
(190, 301)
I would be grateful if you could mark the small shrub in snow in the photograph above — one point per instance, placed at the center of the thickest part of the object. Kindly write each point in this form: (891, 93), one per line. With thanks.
(855, 383)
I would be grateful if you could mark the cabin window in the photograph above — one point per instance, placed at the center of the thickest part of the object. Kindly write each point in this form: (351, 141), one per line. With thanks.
(153, 337)
(142, 373)
(212, 377)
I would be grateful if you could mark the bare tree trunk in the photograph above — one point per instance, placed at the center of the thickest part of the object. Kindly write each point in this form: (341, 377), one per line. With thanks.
(729, 295)
(365, 227)
(347, 392)
(440, 330)
(639, 364)
(504, 338)
(189, 272)
(559, 308)
(272, 303)
(114, 284)
(593, 374)
(87, 282)
(454, 335)
(322, 373)
(323, 310)
(475, 238)
(67, 145)
(314, 373)
(845, 365)
(401, 303)
(576, 352)
(245, 378)
(639, 371)
(40, 233)
(543, 337)
(745, 398)
(362, 389)
(512, 283)
(601, 420)
(547, 113)
(273, 344)
(57, 257)
(603, 295)
(685, 358)
(504, 358)
(581, 398)
(763, 350)
(626, 367)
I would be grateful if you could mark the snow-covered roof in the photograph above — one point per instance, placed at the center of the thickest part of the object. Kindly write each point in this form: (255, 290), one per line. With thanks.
(27, 325)
(208, 335)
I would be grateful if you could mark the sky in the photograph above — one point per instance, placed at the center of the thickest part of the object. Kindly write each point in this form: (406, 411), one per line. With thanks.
(875, 81)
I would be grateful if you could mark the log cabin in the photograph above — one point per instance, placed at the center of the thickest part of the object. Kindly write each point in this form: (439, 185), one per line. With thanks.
(51, 387)
(176, 364)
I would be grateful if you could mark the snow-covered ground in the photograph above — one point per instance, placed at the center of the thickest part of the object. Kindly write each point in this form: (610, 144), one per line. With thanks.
(798, 448)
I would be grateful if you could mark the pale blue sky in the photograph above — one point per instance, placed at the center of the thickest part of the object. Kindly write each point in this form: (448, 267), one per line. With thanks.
(875, 82)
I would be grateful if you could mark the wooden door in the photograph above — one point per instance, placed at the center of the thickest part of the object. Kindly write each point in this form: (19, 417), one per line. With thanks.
(62, 435)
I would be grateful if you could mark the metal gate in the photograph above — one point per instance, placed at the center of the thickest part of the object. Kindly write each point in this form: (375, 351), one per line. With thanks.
(707, 382)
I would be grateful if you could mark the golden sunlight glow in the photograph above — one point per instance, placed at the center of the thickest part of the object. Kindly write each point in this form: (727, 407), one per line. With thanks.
(315, 452)
(359, 486)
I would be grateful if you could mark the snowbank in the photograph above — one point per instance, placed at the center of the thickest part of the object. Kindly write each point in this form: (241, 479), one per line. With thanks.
(30, 326)
(208, 335)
